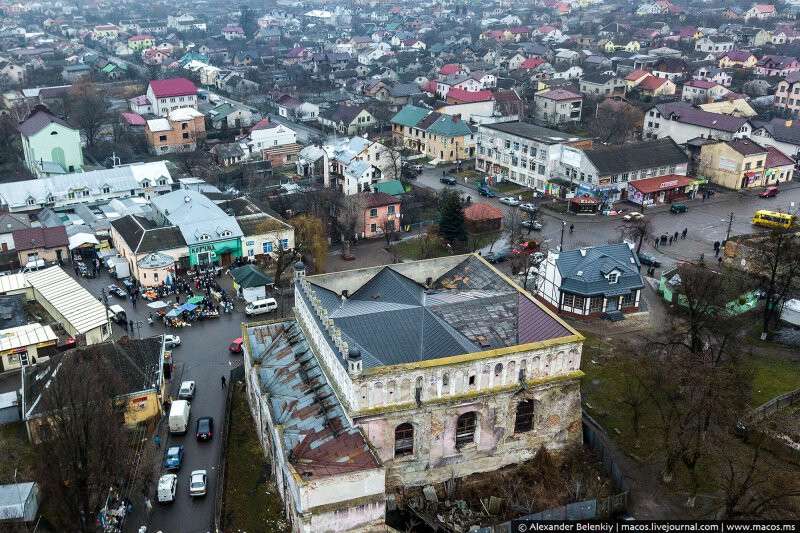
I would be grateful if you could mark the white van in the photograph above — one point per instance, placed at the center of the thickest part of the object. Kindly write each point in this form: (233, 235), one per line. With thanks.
(117, 314)
(259, 307)
(179, 416)
(166, 488)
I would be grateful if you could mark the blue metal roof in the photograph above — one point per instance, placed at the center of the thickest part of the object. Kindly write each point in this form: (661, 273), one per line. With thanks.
(585, 271)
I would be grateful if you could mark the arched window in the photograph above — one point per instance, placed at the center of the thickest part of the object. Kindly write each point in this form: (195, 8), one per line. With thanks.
(465, 429)
(524, 419)
(498, 369)
(403, 440)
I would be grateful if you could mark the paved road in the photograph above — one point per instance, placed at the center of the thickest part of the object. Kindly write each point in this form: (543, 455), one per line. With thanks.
(202, 357)
(706, 221)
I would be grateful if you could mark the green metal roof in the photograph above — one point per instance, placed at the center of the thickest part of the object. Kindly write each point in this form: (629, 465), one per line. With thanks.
(410, 115)
(393, 187)
(447, 126)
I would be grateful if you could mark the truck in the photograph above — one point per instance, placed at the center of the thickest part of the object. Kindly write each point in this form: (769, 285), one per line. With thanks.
(119, 268)
(179, 417)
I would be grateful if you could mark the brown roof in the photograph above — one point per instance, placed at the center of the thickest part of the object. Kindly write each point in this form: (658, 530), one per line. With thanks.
(39, 118)
(776, 158)
(481, 212)
(31, 238)
(378, 199)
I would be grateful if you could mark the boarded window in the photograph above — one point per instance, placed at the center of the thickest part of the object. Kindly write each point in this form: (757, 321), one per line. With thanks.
(403, 440)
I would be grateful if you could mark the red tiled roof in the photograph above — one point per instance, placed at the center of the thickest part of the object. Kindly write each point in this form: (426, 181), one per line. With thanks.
(636, 74)
(464, 96)
(173, 87)
(652, 83)
(378, 199)
(559, 94)
(584, 200)
(263, 124)
(661, 183)
(700, 84)
(133, 119)
(31, 238)
(531, 62)
(140, 37)
(449, 69)
(481, 212)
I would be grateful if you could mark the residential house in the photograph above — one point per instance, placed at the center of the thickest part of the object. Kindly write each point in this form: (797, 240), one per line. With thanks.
(432, 367)
(737, 58)
(140, 42)
(635, 77)
(557, 106)
(592, 281)
(753, 37)
(9, 223)
(123, 181)
(233, 32)
(713, 74)
(779, 167)
(738, 164)
(738, 107)
(715, 44)
(787, 94)
(701, 91)
(654, 87)
(681, 121)
(780, 133)
(263, 235)
(772, 65)
(670, 68)
(12, 74)
(381, 214)
(50, 145)
(267, 134)
(180, 131)
(439, 136)
(604, 171)
(602, 85)
(139, 364)
(228, 154)
(348, 119)
(170, 94)
(185, 23)
(229, 115)
(760, 12)
(521, 152)
(47, 244)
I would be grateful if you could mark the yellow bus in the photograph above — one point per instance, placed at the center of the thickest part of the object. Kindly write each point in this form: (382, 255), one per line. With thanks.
(773, 219)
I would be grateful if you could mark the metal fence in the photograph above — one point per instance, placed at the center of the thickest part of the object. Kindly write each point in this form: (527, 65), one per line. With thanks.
(769, 408)
(597, 440)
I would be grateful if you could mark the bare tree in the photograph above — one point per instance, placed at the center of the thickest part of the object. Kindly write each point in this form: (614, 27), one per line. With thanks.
(84, 448)
(87, 109)
(349, 216)
(615, 122)
(638, 230)
(777, 260)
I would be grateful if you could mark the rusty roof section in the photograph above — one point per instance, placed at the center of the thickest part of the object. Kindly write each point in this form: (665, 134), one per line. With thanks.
(318, 439)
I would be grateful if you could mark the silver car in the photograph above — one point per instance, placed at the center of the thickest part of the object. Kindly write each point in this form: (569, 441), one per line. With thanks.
(197, 483)
(509, 200)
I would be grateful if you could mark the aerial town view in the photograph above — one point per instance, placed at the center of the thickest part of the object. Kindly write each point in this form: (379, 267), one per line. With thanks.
(445, 266)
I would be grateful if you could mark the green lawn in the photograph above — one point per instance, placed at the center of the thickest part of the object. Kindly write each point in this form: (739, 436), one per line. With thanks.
(420, 248)
(772, 377)
(252, 502)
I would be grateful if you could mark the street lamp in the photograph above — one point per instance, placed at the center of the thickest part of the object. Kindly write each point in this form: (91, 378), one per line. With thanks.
(561, 246)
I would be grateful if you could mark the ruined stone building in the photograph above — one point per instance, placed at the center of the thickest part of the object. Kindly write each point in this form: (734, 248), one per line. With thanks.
(405, 375)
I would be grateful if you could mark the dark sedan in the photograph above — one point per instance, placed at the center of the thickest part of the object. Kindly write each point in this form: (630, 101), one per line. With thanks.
(205, 428)
(649, 260)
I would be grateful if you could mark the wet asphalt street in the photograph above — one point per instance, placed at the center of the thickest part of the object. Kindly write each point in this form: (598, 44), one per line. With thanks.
(203, 357)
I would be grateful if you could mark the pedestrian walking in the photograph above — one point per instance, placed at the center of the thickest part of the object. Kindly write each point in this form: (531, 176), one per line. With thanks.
(719, 261)
(670, 240)
(675, 237)
(133, 301)
(716, 245)
(157, 441)
(684, 232)
(222, 379)
(656, 244)
(716, 251)
(130, 326)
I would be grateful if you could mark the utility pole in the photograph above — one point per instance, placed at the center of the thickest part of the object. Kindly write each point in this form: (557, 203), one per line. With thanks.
(104, 296)
(730, 223)
(561, 246)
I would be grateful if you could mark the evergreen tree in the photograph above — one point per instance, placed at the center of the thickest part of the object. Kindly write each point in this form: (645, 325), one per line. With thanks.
(451, 218)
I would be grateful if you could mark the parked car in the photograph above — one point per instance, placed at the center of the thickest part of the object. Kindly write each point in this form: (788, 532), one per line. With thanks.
(417, 168)
(498, 256)
(537, 258)
(769, 192)
(535, 225)
(447, 180)
(483, 190)
(678, 208)
(166, 488)
(171, 341)
(635, 215)
(648, 260)
(186, 392)
(173, 458)
(528, 207)
(197, 483)
(205, 428)
(235, 346)
(128, 284)
(115, 290)
(509, 200)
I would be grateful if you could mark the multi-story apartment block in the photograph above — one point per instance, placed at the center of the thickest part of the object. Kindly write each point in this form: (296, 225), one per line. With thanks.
(439, 136)
(522, 152)
(167, 95)
(681, 121)
(557, 106)
(787, 94)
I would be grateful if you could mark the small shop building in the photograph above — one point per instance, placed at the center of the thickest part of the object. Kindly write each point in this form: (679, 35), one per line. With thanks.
(480, 218)
(20, 346)
(661, 190)
(584, 205)
(155, 268)
(250, 283)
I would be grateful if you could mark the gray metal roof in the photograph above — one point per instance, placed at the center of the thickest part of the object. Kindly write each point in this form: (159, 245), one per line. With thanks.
(197, 216)
(394, 319)
(583, 271)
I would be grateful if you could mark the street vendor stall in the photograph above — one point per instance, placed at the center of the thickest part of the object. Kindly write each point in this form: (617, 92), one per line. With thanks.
(250, 283)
